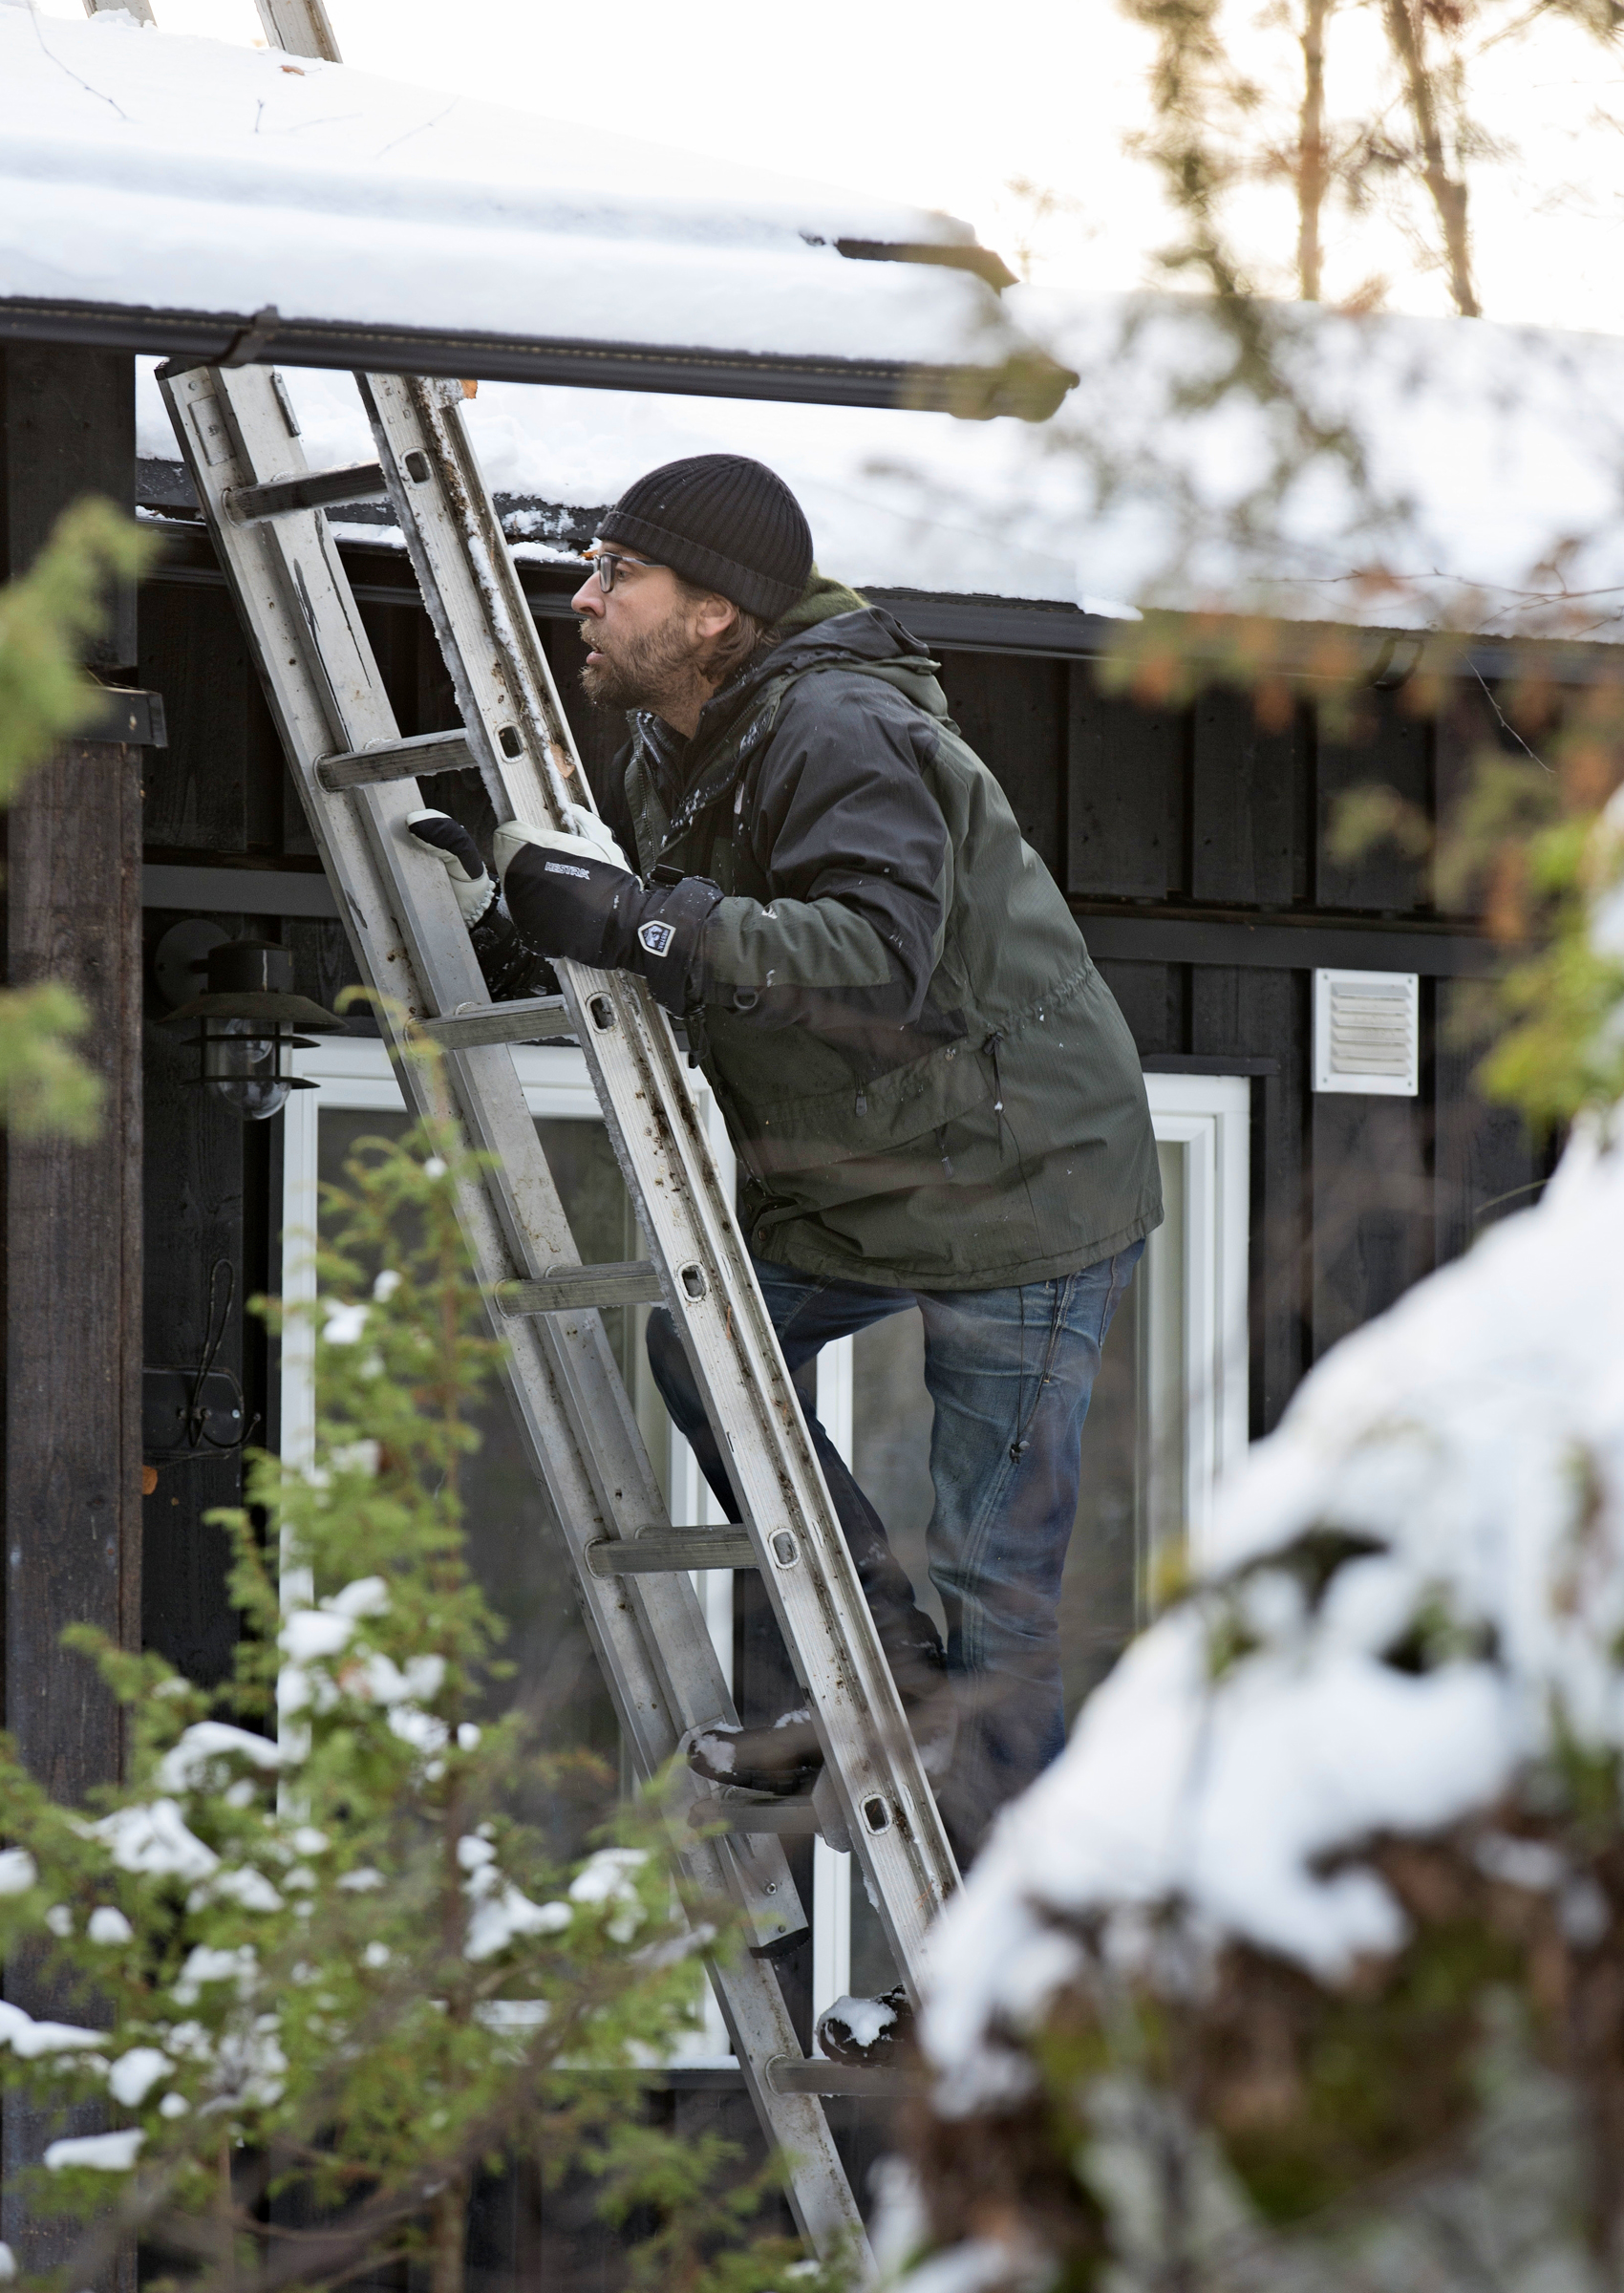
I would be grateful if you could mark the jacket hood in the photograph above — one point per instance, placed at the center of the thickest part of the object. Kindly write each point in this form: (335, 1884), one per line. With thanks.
(818, 601)
(829, 625)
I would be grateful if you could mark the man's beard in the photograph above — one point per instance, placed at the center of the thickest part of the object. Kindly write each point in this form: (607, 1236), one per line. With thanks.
(642, 671)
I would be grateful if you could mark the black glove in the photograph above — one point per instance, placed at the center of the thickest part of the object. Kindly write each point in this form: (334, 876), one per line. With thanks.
(568, 900)
(459, 855)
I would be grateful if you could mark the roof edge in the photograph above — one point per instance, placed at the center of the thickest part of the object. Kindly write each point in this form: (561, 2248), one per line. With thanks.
(1027, 383)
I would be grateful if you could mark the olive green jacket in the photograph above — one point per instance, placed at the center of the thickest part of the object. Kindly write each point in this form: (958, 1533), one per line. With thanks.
(927, 1082)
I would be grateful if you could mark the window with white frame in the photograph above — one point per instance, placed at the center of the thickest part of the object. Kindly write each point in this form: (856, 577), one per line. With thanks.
(511, 1549)
(1168, 1414)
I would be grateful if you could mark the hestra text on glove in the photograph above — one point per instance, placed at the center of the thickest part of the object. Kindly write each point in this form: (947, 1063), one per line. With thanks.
(573, 903)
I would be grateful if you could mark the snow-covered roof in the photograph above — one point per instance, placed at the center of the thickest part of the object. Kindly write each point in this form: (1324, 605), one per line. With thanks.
(1491, 499)
(1416, 1593)
(555, 455)
(1489, 450)
(163, 193)
(187, 196)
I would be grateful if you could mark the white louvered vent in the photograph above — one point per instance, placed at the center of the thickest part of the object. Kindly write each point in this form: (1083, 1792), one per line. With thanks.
(1367, 1032)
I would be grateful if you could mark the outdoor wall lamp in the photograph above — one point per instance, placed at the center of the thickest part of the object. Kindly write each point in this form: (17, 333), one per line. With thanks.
(247, 1018)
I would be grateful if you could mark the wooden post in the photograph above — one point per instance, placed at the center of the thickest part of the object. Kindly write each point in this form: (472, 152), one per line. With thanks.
(71, 1281)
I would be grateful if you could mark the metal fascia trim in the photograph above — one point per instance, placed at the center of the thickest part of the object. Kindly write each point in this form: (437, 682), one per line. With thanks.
(1031, 380)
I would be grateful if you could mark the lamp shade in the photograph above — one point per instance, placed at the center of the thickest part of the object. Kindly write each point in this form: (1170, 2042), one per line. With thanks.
(246, 1021)
(254, 979)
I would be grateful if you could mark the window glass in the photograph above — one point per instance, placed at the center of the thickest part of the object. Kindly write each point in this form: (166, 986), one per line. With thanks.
(1128, 1522)
(525, 1575)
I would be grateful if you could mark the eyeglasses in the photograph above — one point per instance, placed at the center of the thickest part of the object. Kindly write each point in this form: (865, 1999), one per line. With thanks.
(608, 563)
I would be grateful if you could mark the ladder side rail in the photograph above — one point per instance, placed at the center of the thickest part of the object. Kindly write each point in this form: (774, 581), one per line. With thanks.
(889, 1811)
(435, 441)
(617, 1494)
(299, 28)
(470, 585)
(299, 692)
(303, 705)
(279, 592)
(502, 683)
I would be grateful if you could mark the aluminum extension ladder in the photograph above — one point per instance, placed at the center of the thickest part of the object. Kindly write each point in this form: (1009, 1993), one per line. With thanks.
(359, 780)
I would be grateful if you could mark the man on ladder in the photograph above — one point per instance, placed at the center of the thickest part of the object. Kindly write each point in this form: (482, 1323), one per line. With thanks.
(933, 1095)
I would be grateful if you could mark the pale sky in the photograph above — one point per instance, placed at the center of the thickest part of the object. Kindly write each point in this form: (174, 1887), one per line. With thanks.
(944, 103)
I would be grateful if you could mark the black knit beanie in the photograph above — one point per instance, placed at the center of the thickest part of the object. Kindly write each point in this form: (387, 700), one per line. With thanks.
(722, 521)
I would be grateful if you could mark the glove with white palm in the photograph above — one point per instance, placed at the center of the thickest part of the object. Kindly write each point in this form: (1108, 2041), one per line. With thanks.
(454, 849)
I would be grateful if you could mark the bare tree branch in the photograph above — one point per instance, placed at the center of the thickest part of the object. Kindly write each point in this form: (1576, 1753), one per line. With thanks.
(1311, 170)
(1406, 32)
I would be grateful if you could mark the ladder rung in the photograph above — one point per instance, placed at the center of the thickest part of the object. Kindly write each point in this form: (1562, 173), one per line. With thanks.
(534, 1019)
(811, 2074)
(314, 490)
(658, 1550)
(632, 1284)
(789, 1819)
(396, 761)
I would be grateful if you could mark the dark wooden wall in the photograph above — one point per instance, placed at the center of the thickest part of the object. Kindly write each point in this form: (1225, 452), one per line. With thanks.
(1157, 817)
(70, 1275)
(217, 794)
(1148, 818)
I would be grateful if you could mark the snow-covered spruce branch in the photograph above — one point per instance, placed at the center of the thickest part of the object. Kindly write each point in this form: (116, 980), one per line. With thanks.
(1303, 1970)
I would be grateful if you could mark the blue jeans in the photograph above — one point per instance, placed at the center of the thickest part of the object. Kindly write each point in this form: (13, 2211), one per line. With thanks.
(1010, 1373)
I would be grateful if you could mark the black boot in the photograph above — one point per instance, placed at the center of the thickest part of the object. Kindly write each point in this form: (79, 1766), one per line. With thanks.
(785, 1759)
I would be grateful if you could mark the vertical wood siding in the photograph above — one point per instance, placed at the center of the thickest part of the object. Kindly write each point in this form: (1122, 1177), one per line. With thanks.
(1168, 813)
(70, 1322)
(1148, 813)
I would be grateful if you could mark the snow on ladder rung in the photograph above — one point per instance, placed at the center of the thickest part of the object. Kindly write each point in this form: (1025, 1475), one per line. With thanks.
(312, 489)
(410, 759)
(529, 1019)
(635, 1283)
(654, 1552)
